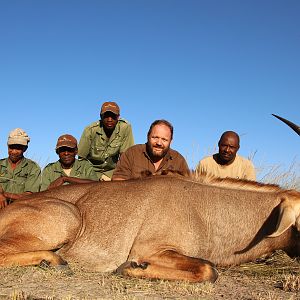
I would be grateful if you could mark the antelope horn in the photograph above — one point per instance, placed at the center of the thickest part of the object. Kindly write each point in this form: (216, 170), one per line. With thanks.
(295, 127)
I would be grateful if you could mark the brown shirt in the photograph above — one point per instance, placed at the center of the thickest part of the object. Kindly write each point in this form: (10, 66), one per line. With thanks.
(135, 162)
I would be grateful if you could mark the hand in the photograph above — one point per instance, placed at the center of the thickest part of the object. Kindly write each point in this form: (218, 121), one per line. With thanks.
(3, 201)
(58, 182)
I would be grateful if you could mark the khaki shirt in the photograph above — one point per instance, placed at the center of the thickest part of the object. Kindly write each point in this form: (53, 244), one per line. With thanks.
(240, 168)
(24, 178)
(135, 162)
(102, 152)
(82, 169)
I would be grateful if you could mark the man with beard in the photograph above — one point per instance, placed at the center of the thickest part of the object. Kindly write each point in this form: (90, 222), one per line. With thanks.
(67, 169)
(19, 176)
(154, 157)
(104, 141)
(227, 163)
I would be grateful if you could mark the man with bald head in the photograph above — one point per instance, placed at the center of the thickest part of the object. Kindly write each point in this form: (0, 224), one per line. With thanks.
(227, 163)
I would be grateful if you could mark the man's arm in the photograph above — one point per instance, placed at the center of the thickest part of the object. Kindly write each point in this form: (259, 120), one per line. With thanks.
(33, 181)
(250, 171)
(89, 172)
(12, 196)
(128, 139)
(201, 168)
(3, 201)
(185, 168)
(46, 180)
(73, 180)
(84, 143)
(123, 170)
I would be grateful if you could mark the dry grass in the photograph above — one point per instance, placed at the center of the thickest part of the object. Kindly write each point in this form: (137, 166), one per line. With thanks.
(288, 178)
(291, 283)
(35, 283)
(274, 277)
(278, 264)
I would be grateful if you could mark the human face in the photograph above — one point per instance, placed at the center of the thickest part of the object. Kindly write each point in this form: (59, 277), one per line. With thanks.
(159, 141)
(228, 147)
(66, 156)
(109, 120)
(16, 152)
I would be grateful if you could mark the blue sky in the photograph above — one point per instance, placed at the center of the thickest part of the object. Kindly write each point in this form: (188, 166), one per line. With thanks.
(206, 66)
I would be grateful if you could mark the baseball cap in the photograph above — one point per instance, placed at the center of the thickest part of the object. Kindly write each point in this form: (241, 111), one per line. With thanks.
(18, 137)
(110, 106)
(66, 140)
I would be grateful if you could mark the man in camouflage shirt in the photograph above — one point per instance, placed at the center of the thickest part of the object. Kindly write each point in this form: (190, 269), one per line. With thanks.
(104, 141)
(67, 169)
(19, 176)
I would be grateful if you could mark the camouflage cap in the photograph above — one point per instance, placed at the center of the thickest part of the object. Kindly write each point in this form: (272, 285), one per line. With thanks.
(110, 106)
(18, 137)
(66, 140)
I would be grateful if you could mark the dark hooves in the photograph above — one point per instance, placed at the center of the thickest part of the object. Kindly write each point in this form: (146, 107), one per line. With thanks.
(64, 268)
(44, 264)
(131, 264)
(142, 265)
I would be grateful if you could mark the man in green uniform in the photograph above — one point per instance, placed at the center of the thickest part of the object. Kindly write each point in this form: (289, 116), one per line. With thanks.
(67, 169)
(104, 141)
(19, 176)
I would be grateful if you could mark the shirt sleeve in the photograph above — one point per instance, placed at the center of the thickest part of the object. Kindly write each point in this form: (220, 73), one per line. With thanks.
(33, 181)
(84, 143)
(46, 180)
(128, 139)
(184, 168)
(250, 171)
(90, 173)
(201, 168)
(124, 166)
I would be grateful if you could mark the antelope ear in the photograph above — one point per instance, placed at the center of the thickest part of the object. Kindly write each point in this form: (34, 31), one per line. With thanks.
(287, 218)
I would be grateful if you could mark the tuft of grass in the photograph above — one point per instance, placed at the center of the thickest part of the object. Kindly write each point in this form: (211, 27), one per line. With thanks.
(290, 283)
(278, 264)
(287, 178)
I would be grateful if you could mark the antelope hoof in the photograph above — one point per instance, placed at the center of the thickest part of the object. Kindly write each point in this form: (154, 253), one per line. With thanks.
(142, 265)
(44, 264)
(63, 268)
(122, 269)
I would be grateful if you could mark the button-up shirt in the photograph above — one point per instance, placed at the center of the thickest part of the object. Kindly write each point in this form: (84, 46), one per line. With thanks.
(135, 163)
(81, 168)
(24, 178)
(104, 152)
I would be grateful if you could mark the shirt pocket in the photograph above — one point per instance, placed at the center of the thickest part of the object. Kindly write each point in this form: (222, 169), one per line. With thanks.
(4, 178)
(98, 152)
(21, 178)
(114, 151)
